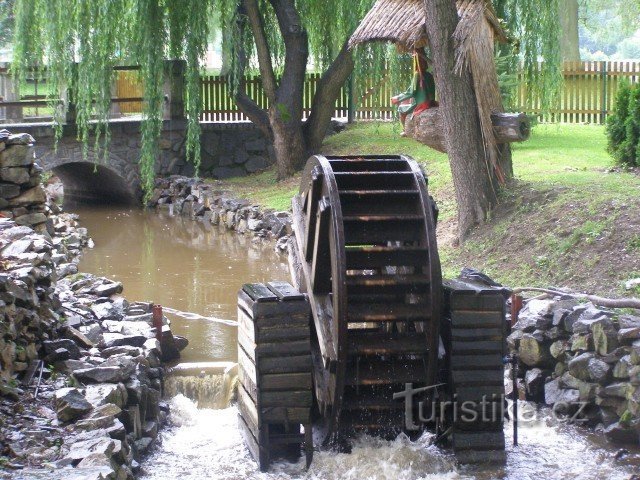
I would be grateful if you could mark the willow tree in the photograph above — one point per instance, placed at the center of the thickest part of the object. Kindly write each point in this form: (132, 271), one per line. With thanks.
(80, 41)
(282, 36)
(535, 28)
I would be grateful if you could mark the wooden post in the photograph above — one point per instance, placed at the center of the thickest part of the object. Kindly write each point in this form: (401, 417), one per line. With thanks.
(70, 115)
(351, 108)
(603, 99)
(173, 89)
(157, 321)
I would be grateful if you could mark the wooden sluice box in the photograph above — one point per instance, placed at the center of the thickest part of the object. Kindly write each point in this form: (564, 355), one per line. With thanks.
(275, 368)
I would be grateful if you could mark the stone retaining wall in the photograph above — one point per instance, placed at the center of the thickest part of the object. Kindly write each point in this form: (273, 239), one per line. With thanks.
(21, 195)
(96, 359)
(208, 203)
(577, 356)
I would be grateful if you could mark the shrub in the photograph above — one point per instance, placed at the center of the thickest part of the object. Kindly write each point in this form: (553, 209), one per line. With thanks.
(623, 127)
(615, 122)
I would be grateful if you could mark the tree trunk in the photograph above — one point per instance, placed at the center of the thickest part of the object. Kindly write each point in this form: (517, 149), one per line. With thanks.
(475, 194)
(569, 40)
(324, 102)
(282, 124)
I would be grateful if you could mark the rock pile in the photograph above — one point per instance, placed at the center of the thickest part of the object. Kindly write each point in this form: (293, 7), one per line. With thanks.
(580, 358)
(206, 203)
(22, 198)
(81, 372)
(32, 263)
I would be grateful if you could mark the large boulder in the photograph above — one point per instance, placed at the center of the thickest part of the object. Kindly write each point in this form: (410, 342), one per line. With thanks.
(107, 393)
(534, 351)
(70, 404)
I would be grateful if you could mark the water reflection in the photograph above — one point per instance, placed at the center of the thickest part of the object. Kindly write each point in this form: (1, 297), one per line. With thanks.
(183, 265)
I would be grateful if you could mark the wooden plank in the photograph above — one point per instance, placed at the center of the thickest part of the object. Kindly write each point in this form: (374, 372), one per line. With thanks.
(293, 399)
(266, 313)
(283, 349)
(478, 378)
(477, 362)
(293, 364)
(479, 441)
(385, 372)
(286, 415)
(248, 383)
(289, 333)
(286, 381)
(321, 257)
(313, 200)
(245, 363)
(285, 292)
(259, 292)
(478, 393)
(246, 325)
(472, 319)
(248, 410)
(478, 347)
(246, 344)
(249, 440)
(475, 334)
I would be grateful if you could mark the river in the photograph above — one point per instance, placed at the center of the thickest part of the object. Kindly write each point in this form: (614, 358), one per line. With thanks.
(187, 268)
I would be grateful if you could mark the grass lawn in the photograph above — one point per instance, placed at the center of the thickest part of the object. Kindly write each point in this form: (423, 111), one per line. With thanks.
(570, 219)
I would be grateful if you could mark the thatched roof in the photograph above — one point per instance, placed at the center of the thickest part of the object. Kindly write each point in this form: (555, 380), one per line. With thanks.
(402, 22)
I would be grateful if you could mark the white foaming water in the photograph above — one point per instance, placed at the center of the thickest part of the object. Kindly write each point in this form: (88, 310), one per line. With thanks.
(209, 385)
(206, 444)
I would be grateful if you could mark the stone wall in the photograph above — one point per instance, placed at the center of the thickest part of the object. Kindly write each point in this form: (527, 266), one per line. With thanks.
(233, 150)
(227, 150)
(579, 358)
(208, 203)
(21, 196)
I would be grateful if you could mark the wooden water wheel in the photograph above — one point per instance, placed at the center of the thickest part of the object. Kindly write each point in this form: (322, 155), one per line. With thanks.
(365, 253)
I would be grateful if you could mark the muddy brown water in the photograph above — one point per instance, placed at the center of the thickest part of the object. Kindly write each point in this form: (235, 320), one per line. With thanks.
(197, 272)
(194, 272)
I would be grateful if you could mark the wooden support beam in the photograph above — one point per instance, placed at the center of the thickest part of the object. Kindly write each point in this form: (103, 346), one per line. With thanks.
(313, 197)
(321, 263)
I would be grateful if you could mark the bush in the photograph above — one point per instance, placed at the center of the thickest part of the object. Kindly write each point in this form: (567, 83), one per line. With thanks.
(623, 127)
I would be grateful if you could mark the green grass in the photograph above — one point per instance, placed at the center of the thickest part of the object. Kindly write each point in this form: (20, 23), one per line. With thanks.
(264, 189)
(571, 218)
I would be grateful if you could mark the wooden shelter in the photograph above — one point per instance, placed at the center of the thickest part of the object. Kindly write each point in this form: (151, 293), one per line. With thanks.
(403, 23)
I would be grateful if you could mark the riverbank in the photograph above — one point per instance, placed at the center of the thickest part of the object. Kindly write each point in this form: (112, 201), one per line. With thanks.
(82, 372)
(570, 219)
(207, 202)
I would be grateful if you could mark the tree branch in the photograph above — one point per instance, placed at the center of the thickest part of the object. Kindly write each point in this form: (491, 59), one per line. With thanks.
(325, 98)
(262, 46)
(256, 114)
(296, 54)
(247, 105)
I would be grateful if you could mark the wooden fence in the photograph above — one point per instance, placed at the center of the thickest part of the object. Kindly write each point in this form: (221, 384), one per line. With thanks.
(31, 101)
(589, 91)
(219, 105)
(587, 97)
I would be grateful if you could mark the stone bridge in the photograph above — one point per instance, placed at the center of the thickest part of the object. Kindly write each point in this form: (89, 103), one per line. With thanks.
(227, 150)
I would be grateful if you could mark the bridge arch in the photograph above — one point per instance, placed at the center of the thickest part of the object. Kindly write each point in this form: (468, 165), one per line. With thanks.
(87, 182)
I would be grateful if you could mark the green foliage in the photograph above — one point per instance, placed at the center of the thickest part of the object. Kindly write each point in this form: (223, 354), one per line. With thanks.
(6, 21)
(535, 26)
(616, 131)
(80, 41)
(623, 127)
